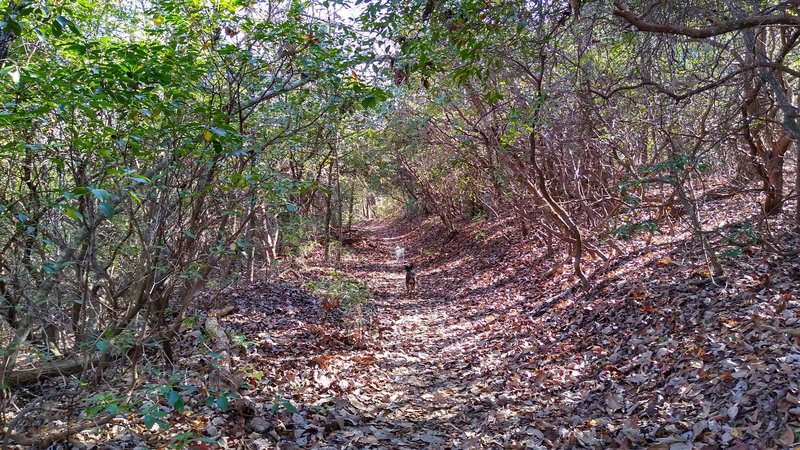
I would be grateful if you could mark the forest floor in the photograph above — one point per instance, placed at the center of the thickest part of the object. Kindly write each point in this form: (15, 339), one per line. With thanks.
(498, 348)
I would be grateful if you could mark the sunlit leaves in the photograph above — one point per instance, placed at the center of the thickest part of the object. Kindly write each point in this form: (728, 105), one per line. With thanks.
(61, 23)
(12, 72)
(138, 178)
(73, 213)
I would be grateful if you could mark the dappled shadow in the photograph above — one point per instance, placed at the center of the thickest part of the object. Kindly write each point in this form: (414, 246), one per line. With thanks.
(586, 355)
(490, 353)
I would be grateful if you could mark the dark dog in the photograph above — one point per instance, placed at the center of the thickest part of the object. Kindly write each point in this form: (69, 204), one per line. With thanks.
(411, 278)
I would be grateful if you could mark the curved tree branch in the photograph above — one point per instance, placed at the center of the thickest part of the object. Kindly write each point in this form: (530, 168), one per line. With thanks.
(698, 90)
(620, 10)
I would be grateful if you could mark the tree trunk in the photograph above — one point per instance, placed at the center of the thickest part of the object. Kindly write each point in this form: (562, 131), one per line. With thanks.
(350, 207)
(689, 205)
(797, 187)
(560, 214)
(340, 207)
(328, 213)
(7, 37)
(773, 202)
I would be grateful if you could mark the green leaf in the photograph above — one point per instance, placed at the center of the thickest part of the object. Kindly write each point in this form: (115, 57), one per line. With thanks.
(101, 345)
(139, 179)
(56, 28)
(107, 209)
(173, 396)
(223, 403)
(289, 407)
(50, 268)
(135, 197)
(176, 400)
(10, 24)
(369, 102)
(101, 194)
(64, 22)
(73, 214)
(155, 418)
(149, 421)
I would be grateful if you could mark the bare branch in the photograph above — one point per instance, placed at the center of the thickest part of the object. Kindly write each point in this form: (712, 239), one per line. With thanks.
(269, 94)
(714, 84)
(620, 10)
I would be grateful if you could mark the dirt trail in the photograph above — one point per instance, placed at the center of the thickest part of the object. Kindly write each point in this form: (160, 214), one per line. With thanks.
(647, 359)
(430, 381)
(431, 372)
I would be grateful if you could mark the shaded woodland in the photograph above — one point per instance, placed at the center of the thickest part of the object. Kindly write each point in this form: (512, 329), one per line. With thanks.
(202, 198)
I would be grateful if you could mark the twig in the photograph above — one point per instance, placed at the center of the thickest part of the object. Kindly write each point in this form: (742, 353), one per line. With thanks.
(707, 280)
(790, 331)
(551, 301)
(223, 312)
(20, 415)
(45, 440)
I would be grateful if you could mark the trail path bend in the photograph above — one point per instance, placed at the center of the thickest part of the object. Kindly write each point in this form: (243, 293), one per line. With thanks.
(436, 381)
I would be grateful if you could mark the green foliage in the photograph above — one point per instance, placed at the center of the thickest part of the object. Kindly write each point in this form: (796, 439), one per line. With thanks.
(278, 403)
(159, 142)
(745, 232)
(241, 339)
(737, 237)
(153, 415)
(106, 401)
(298, 235)
(675, 164)
(731, 252)
(627, 230)
(222, 400)
(340, 290)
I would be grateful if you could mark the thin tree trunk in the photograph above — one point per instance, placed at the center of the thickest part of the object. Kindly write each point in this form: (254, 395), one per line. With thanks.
(561, 215)
(340, 206)
(328, 214)
(797, 187)
(694, 217)
(350, 207)
(797, 174)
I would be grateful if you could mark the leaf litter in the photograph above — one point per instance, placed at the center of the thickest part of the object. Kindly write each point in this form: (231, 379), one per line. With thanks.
(492, 354)
(651, 357)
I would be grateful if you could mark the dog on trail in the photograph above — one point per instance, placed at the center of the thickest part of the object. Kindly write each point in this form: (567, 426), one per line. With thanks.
(411, 279)
(399, 253)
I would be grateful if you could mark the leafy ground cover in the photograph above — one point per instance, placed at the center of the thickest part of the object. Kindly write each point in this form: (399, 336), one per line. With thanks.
(490, 352)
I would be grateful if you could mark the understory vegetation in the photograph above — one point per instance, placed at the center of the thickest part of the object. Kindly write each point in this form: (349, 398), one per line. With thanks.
(162, 155)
